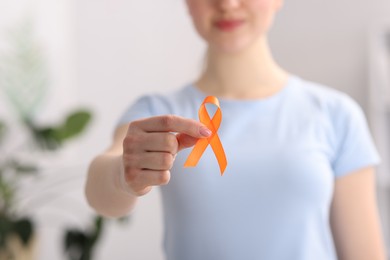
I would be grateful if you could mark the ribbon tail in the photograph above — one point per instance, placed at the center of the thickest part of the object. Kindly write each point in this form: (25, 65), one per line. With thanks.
(196, 153)
(217, 147)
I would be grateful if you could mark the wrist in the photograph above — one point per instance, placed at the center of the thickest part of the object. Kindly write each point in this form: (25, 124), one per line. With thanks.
(120, 179)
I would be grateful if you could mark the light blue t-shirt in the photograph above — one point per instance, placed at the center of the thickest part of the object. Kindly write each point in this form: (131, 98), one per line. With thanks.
(284, 153)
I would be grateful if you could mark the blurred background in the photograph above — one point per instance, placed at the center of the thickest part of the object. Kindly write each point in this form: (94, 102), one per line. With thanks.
(68, 69)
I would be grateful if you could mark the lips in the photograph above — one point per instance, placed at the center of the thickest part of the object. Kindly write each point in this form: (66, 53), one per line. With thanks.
(228, 25)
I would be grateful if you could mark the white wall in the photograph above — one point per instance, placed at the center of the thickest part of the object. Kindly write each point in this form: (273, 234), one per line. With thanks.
(327, 41)
(121, 49)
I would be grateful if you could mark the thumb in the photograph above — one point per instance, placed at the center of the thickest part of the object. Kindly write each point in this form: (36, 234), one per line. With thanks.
(185, 141)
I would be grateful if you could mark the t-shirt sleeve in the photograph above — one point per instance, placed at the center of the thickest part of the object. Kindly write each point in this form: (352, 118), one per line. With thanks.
(355, 147)
(141, 108)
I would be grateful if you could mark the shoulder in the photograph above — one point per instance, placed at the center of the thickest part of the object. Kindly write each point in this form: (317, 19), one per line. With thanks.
(336, 103)
(169, 102)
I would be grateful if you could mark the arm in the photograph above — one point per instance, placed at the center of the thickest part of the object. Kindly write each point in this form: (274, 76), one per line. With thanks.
(354, 217)
(140, 157)
(103, 190)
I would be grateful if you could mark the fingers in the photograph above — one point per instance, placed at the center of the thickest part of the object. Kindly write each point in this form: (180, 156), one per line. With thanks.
(147, 169)
(161, 142)
(139, 181)
(158, 161)
(185, 141)
(172, 123)
(151, 142)
(150, 147)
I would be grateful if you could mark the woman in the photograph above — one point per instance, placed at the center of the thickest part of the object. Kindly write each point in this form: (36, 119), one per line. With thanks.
(300, 179)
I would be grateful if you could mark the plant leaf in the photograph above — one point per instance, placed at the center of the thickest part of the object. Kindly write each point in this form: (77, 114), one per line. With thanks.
(5, 228)
(98, 228)
(75, 244)
(44, 137)
(24, 229)
(47, 138)
(53, 137)
(79, 245)
(7, 193)
(74, 125)
(3, 129)
(23, 70)
(75, 238)
(23, 168)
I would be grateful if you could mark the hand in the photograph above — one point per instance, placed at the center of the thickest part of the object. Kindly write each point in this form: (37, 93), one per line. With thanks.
(150, 147)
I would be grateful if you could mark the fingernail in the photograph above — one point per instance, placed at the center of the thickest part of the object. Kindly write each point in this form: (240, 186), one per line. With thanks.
(205, 131)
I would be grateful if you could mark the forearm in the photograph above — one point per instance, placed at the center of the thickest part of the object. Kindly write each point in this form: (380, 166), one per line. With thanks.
(354, 217)
(103, 190)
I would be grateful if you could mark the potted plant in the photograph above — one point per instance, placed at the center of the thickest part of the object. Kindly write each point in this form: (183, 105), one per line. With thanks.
(23, 81)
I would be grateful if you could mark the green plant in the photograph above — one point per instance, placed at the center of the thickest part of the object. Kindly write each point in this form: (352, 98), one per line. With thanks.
(79, 244)
(13, 169)
(24, 81)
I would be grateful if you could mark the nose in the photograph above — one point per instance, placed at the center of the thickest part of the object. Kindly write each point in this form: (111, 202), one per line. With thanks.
(228, 4)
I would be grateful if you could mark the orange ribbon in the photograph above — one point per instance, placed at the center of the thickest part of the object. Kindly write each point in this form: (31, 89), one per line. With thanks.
(213, 140)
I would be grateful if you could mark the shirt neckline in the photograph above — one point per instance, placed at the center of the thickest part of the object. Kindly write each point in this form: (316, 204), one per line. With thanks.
(245, 102)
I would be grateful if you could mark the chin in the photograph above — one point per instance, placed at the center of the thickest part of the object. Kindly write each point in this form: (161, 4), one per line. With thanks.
(231, 46)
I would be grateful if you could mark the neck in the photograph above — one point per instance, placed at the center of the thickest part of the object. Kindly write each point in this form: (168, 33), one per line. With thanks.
(251, 73)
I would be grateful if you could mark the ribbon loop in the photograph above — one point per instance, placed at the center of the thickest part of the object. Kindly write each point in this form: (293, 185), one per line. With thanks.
(214, 141)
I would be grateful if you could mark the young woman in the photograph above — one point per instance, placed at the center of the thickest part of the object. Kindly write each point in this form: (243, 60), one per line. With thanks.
(299, 184)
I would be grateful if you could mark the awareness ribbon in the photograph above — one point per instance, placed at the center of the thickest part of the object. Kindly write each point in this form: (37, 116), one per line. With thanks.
(213, 140)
